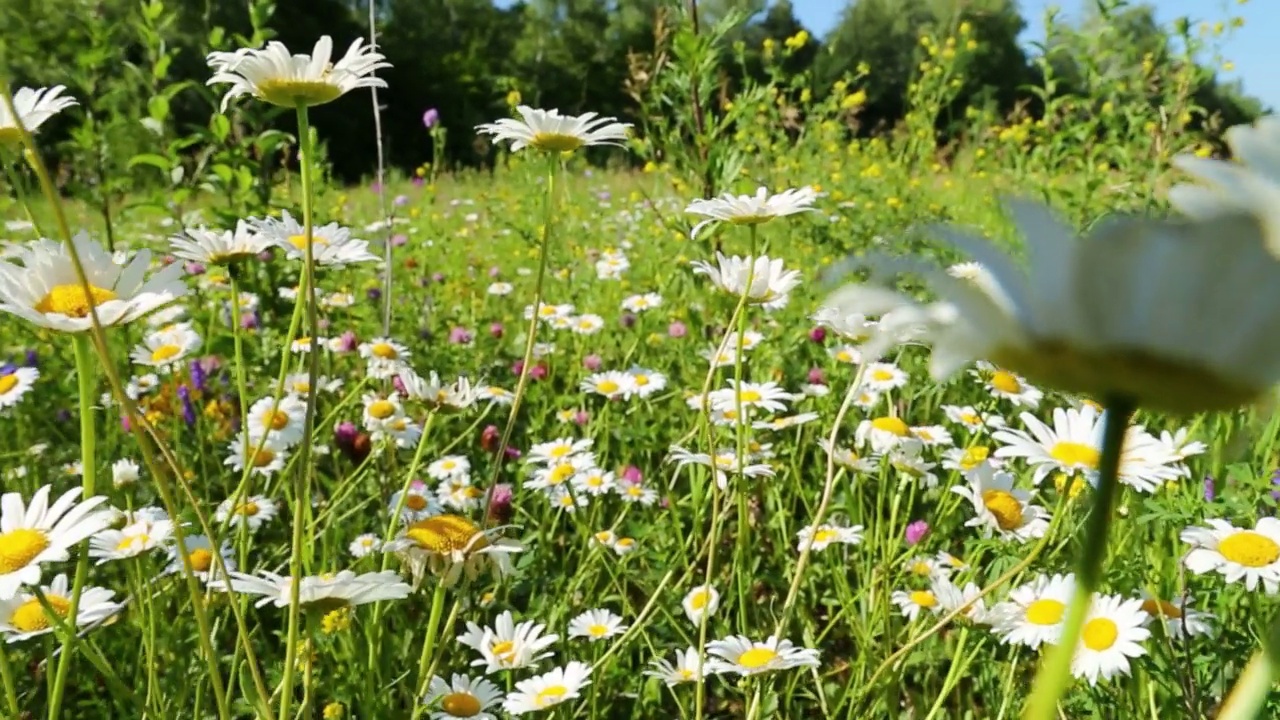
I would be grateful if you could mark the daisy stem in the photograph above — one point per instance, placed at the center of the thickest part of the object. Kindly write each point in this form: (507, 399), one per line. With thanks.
(1055, 674)
(544, 247)
(10, 688)
(743, 554)
(242, 385)
(433, 625)
(302, 484)
(88, 460)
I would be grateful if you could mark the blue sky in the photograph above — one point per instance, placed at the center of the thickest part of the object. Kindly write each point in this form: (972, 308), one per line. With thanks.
(1251, 48)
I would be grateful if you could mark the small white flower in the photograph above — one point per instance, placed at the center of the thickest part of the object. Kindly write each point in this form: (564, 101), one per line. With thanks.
(751, 209)
(549, 131)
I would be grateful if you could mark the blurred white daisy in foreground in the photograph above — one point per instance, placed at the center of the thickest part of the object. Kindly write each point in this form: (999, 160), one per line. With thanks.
(37, 532)
(1249, 182)
(24, 616)
(549, 131)
(1134, 310)
(219, 247)
(751, 209)
(42, 287)
(769, 283)
(331, 245)
(598, 624)
(1111, 635)
(549, 689)
(322, 592)
(743, 656)
(275, 75)
(1237, 553)
(686, 668)
(33, 108)
(461, 697)
(508, 645)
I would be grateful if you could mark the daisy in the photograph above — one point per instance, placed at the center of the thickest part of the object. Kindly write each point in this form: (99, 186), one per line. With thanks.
(1236, 553)
(743, 656)
(636, 493)
(1008, 386)
(596, 624)
(970, 418)
(588, 324)
(506, 645)
(274, 75)
(450, 546)
(282, 422)
(767, 396)
(770, 285)
(1248, 182)
(380, 411)
(969, 458)
(449, 467)
(36, 533)
(1000, 508)
(549, 131)
(325, 592)
(639, 303)
(23, 616)
(611, 384)
(33, 109)
(932, 435)
(1054, 323)
(385, 358)
(854, 327)
(927, 568)
(556, 476)
(751, 209)
(1111, 635)
(785, 422)
(880, 377)
(849, 355)
(624, 546)
(910, 604)
(401, 431)
(167, 349)
(130, 541)
(211, 247)
(548, 689)
(748, 340)
(124, 472)
(646, 382)
(700, 601)
(1178, 618)
(1034, 612)
(494, 394)
(724, 463)
(200, 552)
(16, 384)
(462, 697)
(500, 288)
(43, 288)
(951, 598)
(419, 503)
(687, 668)
(720, 357)
(882, 434)
(263, 456)
(331, 245)
(459, 494)
(846, 458)
(827, 535)
(565, 501)
(253, 512)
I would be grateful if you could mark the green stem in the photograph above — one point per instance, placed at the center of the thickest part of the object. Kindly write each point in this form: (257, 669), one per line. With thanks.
(10, 687)
(742, 561)
(429, 641)
(553, 164)
(1055, 674)
(88, 461)
(302, 484)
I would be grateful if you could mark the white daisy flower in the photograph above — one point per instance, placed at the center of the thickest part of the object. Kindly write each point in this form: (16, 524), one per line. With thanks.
(329, 592)
(385, 357)
(17, 384)
(263, 456)
(1007, 385)
(687, 668)
(549, 131)
(1111, 635)
(500, 288)
(36, 533)
(700, 601)
(200, 552)
(23, 616)
(912, 603)
(274, 75)
(364, 545)
(507, 645)
(331, 245)
(611, 384)
(767, 396)
(588, 324)
(33, 109)
(548, 689)
(283, 422)
(42, 286)
(124, 472)
(494, 394)
(449, 467)
(932, 435)
(458, 494)
(1249, 182)
(594, 481)
(827, 535)
(882, 376)
(451, 546)
(751, 209)
(130, 541)
(646, 382)
(380, 411)
(214, 247)
(1237, 553)
(882, 434)
(419, 503)
(951, 598)
(636, 493)
(253, 511)
(642, 302)
(462, 697)
(597, 624)
(1178, 618)
(167, 350)
(1000, 507)
(743, 656)
(770, 286)
(1034, 613)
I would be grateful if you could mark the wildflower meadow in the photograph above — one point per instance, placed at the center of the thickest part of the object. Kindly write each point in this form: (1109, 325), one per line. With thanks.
(729, 406)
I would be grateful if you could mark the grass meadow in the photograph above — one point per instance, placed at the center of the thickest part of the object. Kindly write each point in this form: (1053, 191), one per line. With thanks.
(842, 537)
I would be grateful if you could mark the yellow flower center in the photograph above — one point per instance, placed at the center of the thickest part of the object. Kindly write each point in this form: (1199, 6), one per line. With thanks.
(384, 351)
(641, 379)
(825, 535)
(302, 387)
(503, 649)
(70, 300)
(382, 409)
(921, 568)
(551, 695)
(608, 387)
(248, 509)
(19, 547)
(445, 534)
(460, 704)
(164, 352)
(974, 456)
(129, 542)
(560, 473)
(1045, 611)
(1099, 634)
(847, 357)
(699, 600)
(924, 598)
(262, 457)
(1006, 382)
(275, 419)
(30, 615)
(756, 658)
(556, 142)
(1161, 608)
(415, 502)
(560, 451)
(201, 559)
(598, 630)
(1005, 507)
(1074, 454)
(8, 382)
(1249, 549)
(891, 425)
(749, 396)
(288, 93)
(881, 374)
(969, 418)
